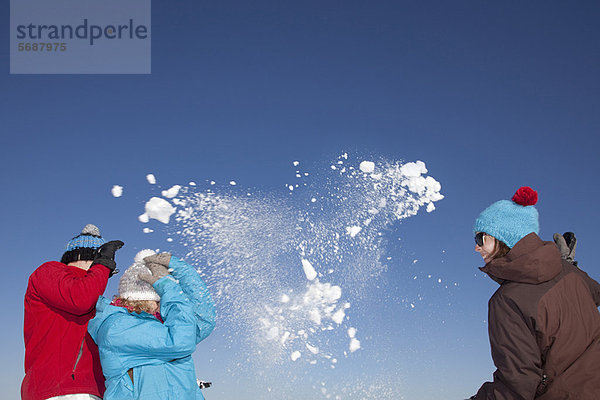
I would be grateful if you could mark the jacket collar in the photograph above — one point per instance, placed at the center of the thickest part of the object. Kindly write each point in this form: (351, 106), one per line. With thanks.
(531, 260)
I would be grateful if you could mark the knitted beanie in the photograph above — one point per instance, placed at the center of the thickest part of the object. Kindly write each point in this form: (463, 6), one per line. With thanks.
(84, 245)
(510, 221)
(133, 288)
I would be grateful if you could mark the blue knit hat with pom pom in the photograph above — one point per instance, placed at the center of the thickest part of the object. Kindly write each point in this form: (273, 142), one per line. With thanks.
(510, 221)
(84, 245)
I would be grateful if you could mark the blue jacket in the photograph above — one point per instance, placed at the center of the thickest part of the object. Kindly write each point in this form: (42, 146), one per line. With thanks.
(159, 354)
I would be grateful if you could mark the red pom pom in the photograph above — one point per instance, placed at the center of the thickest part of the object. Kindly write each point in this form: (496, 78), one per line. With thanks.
(525, 196)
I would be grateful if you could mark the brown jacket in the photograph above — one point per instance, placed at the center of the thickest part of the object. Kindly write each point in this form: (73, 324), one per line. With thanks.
(544, 326)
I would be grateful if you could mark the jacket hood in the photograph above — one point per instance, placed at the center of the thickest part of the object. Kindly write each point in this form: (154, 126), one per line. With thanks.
(103, 311)
(531, 261)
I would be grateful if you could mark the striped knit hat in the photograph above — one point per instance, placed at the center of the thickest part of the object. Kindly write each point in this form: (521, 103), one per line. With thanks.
(510, 221)
(84, 245)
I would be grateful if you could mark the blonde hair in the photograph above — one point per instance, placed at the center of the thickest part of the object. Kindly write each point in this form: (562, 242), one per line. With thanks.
(137, 306)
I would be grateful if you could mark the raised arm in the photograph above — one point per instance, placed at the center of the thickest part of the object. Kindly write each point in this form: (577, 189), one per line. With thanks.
(67, 290)
(194, 288)
(567, 244)
(143, 340)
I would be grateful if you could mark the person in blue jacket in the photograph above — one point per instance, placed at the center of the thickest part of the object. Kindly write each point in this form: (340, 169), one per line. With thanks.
(147, 334)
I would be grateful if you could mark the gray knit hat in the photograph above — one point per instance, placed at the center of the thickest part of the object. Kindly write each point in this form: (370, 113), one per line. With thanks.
(133, 288)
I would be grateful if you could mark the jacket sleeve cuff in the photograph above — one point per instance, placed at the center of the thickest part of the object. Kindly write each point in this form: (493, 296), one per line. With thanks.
(105, 268)
(164, 284)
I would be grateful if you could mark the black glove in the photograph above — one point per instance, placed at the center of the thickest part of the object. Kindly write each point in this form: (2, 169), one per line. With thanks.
(566, 243)
(106, 255)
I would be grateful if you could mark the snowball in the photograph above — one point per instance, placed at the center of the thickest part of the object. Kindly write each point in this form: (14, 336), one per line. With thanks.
(295, 355)
(354, 345)
(232, 183)
(172, 192)
(117, 191)
(353, 230)
(312, 349)
(192, 184)
(309, 271)
(151, 179)
(413, 170)
(367, 167)
(430, 207)
(315, 316)
(272, 333)
(332, 293)
(338, 316)
(159, 209)
(313, 200)
(147, 230)
(296, 163)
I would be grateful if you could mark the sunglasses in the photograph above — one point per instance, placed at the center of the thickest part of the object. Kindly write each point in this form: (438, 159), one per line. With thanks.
(479, 238)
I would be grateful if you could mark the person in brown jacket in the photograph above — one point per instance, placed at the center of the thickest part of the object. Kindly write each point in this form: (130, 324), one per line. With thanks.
(544, 324)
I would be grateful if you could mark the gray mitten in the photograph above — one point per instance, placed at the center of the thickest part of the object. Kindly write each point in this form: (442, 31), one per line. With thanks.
(162, 259)
(566, 244)
(158, 271)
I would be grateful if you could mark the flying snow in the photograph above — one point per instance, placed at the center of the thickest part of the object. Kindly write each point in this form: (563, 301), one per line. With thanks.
(367, 166)
(159, 209)
(309, 271)
(117, 191)
(172, 192)
(285, 270)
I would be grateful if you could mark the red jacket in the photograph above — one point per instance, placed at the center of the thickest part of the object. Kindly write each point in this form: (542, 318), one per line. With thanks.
(60, 356)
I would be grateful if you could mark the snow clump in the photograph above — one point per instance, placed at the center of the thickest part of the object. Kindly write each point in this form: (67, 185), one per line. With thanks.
(172, 192)
(159, 209)
(117, 191)
(367, 166)
(309, 270)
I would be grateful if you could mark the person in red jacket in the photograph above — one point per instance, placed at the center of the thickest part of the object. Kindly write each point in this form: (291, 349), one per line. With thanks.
(61, 359)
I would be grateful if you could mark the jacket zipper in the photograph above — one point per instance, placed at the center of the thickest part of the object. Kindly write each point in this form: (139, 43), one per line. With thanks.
(78, 358)
(543, 386)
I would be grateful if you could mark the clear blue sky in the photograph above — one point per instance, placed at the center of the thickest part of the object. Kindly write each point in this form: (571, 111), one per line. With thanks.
(491, 95)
